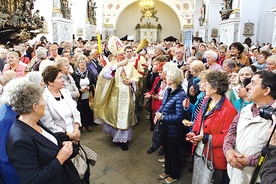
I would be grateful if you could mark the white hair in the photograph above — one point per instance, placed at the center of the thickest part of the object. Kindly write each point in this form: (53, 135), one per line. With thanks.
(212, 53)
(9, 89)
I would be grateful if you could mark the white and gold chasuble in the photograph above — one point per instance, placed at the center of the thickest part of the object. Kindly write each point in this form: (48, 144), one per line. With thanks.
(114, 101)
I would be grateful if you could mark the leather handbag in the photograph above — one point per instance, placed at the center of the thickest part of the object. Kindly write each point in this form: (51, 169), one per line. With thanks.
(203, 168)
(159, 134)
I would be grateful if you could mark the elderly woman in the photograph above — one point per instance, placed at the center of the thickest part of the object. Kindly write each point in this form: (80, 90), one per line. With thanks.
(214, 119)
(195, 108)
(85, 81)
(172, 113)
(211, 57)
(61, 114)
(41, 54)
(195, 69)
(245, 72)
(13, 63)
(7, 116)
(36, 154)
(69, 82)
(5, 78)
(236, 54)
(271, 63)
(261, 60)
(227, 67)
(157, 92)
(36, 77)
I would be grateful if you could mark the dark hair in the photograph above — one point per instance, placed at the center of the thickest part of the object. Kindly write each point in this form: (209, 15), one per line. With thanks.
(50, 74)
(218, 80)
(237, 45)
(128, 47)
(253, 67)
(255, 49)
(265, 53)
(86, 53)
(268, 80)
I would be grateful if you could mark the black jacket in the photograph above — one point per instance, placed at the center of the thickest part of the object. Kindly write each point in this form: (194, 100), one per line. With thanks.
(92, 80)
(34, 157)
(269, 168)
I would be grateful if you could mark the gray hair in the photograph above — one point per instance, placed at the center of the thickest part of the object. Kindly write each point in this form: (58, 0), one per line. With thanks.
(247, 68)
(41, 53)
(34, 76)
(9, 88)
(175, 75)
(272, 58)
(82, 57)
(23, 95)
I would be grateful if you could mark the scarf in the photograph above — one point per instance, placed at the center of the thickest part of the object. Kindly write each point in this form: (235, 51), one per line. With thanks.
(81, 74)
(260, 66)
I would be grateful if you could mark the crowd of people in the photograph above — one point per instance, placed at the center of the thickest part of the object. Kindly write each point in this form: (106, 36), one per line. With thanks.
(52, 90)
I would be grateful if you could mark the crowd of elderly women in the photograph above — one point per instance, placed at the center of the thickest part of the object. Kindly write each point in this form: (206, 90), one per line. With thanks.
(195, 98)
(216, 88)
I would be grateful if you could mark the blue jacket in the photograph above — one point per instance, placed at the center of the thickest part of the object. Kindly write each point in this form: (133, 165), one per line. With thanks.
(6, 169)
(173, 112)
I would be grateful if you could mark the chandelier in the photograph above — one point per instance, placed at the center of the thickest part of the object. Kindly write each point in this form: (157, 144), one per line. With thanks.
(148, 10)
(146, 4)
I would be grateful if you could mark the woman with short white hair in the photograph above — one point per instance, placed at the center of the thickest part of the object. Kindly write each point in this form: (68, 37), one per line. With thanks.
(172, 113)
(211, 57)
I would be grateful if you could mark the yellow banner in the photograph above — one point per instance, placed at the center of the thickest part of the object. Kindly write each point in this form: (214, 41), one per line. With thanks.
(99, 43)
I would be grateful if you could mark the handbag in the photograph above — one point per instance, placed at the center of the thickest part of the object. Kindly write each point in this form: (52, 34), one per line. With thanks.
(91, 155)
(79, 162)
(91, 97)
(203, 168)
(159, 134)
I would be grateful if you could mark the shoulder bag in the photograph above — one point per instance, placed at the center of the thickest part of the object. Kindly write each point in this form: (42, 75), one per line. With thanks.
(203, 168)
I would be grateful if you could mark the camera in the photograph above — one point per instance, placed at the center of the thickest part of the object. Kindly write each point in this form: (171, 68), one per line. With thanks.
(266, 112)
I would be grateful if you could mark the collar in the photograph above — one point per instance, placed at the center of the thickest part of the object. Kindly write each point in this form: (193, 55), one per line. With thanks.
(255, 111)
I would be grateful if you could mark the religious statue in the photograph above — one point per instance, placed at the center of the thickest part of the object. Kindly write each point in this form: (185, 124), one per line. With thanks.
(91, 12)
(202, 14)
(17, 24)
(65, 10)
(226, 10)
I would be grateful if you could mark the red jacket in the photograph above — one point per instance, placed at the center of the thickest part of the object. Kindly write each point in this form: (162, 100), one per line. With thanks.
(155, 104)
(216, 123)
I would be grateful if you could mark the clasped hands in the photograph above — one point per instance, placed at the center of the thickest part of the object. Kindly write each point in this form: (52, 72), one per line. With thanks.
(87, 88)
(193, 138)
(236, 159)
(154, 96)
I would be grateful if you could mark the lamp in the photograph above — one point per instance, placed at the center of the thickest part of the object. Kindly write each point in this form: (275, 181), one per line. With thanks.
(148, 10)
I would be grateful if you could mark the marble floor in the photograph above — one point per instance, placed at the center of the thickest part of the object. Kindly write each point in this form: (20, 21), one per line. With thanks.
(128, 167)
